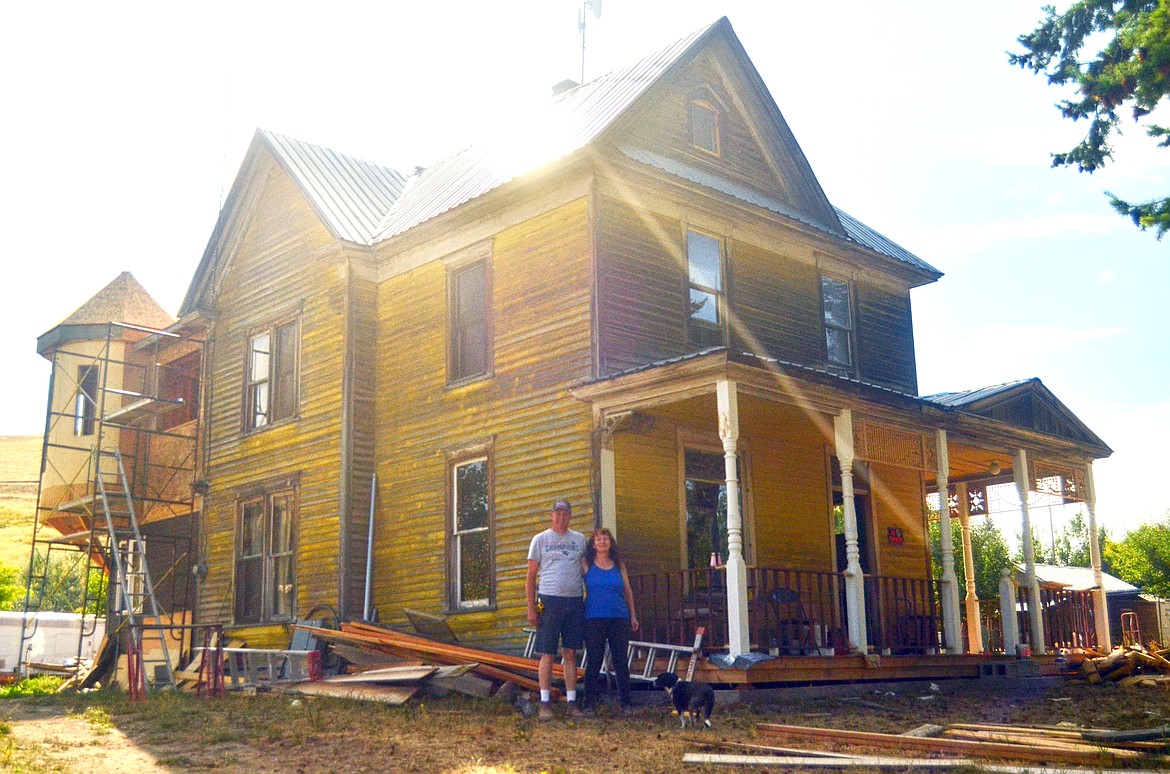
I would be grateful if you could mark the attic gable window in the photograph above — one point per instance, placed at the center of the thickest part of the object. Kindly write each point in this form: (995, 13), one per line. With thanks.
(704, 127)
(837, 301)
(706, 297)
(272, 376)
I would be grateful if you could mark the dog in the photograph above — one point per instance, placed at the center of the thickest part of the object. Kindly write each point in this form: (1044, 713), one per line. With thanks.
(694, 701)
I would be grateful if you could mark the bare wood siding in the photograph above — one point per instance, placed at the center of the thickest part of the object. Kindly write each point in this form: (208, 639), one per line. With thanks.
(647, 485)
(776, 301)
(540, 436)
(663, 126)
(885, 338)
(641, 287)
(899, 497)
(276, 270)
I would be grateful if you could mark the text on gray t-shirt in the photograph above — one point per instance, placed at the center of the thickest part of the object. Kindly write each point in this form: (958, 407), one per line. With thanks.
(559, 557)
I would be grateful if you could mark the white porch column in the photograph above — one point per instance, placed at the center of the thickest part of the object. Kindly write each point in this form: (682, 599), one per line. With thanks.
(1007, 612)
(738, 635)
(952, 624)
(608, 486)
(974, 620)
(1100, 608)
(1035, 611)
(854, 578)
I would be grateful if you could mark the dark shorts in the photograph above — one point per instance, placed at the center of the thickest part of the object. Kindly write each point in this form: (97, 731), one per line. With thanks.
(563, 620)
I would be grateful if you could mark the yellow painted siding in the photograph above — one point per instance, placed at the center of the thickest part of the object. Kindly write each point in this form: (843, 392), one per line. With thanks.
(898, 500)
(540, 436)
(648, 507)
(277, 271)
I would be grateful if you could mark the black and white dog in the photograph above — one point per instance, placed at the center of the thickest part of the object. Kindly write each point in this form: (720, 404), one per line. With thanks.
(694, 701)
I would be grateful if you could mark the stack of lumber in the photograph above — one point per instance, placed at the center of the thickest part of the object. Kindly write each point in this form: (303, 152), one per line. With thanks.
(372, 640)
(953, 746)
(1129, 665)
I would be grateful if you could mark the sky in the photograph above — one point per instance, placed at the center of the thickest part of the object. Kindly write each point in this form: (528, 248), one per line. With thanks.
(125, 124)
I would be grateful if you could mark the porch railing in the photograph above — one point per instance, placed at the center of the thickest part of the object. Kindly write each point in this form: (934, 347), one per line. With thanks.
(902, 615)
(1067, 618)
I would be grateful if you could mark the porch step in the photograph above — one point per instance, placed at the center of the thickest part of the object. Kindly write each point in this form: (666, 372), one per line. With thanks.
(1011, 670)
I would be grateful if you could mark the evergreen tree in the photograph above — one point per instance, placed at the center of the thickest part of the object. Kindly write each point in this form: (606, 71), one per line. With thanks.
(1129, 73)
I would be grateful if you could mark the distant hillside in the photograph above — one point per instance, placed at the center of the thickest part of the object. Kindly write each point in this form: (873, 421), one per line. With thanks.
(20, 466)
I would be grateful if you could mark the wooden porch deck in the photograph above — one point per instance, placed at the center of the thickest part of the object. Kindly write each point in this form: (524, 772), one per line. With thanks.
(806, 670)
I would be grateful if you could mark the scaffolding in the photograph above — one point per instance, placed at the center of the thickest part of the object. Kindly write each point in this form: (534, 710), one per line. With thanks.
(117, 493)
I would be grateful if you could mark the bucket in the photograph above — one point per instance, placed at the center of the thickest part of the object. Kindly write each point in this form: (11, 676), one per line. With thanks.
(1024, 651)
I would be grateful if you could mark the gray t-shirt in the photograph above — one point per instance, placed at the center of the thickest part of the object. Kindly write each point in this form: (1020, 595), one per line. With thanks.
(559, 557)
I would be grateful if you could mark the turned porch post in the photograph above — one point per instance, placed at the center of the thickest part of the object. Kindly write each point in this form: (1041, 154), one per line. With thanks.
(608, 467)
(1008, 619)
(952, 626)
(854, 578)
(1100, 607)
(738, 634)
(1035, 611)
(974, 620)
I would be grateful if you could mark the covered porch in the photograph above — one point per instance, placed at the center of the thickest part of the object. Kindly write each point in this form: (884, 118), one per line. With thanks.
(785, 511)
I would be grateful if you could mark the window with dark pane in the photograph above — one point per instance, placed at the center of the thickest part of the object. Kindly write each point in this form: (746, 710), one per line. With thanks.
(471, 534)
(706, 503)
(249, 583)
(85, 402)
(468, 347)
(265, 584)
(836, 297)
(705, 278)
(284, 372)
(272, 376)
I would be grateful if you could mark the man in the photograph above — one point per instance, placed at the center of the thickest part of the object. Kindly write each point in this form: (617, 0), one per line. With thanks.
(555, 556)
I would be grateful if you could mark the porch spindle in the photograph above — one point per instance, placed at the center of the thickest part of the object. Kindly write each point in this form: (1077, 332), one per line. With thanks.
(1100, 609)
(1035, 609)
(950, 581)
(854, 578)
(974, 629)
(738, 634)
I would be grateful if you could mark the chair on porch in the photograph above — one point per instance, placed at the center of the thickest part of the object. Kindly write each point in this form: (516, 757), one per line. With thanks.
(794, 632)
(914, 630)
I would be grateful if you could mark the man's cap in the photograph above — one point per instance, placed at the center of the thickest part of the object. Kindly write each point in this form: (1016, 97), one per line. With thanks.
(562, 505)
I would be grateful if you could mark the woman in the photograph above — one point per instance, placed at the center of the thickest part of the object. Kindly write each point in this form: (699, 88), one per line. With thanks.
(609, 615)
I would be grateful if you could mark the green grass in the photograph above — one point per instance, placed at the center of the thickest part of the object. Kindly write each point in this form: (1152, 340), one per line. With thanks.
(45, 685)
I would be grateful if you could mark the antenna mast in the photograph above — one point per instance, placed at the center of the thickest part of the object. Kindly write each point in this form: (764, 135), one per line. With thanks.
(586, 5)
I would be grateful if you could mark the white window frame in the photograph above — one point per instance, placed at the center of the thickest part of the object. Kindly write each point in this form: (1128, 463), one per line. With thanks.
(266, 388)
(849, 330)
(456, 536)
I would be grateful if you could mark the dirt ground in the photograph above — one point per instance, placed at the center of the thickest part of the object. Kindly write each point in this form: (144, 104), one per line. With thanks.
(269, 733)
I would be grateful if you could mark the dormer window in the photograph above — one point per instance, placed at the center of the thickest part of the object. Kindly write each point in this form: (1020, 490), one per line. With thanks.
(837, 301)
(705, 127)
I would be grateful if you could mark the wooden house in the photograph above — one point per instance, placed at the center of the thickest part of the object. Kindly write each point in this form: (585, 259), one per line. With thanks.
(640, 300)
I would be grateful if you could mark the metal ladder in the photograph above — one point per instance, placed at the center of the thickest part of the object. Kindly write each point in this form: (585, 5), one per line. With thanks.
(148, 659)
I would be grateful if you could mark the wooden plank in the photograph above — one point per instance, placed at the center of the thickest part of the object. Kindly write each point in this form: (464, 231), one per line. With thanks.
(794, 762)
(400, 674)
(393, 695)
(1003, 751)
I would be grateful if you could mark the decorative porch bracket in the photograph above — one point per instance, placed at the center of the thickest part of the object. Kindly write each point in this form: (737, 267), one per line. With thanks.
(738, 633)
(950, 582)
(974, 629)
(854, 577)
(1035, 609)
(1100, 609)
(607, 463)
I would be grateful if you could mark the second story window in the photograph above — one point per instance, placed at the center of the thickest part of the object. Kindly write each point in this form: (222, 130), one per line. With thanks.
(272, 376)
(704, 127)
(468, 346)
(837, 301)
(705, 270)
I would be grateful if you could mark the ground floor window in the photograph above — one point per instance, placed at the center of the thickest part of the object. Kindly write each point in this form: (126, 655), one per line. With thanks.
(265, 557)
(470, 541)
(706, 503)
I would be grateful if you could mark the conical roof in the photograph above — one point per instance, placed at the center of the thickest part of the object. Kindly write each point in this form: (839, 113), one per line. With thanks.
(124, 300)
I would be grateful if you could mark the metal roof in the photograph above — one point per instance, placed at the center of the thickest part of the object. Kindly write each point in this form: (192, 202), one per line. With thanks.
(351, 195)
(863, 234)
(966, 397)
(1078, 578)
(573, 120)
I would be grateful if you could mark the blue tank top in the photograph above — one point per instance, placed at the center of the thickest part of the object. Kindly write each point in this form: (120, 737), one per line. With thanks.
(605, 593)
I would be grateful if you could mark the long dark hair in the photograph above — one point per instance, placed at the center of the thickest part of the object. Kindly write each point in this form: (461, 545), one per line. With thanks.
(591, 548)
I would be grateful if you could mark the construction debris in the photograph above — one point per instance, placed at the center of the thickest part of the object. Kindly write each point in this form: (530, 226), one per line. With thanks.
(1041, 744)
(1127, 665)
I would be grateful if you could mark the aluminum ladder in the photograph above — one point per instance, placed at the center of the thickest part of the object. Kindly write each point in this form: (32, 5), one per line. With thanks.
(148, 659)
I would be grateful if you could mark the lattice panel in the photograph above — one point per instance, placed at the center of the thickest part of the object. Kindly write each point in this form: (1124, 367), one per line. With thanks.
(1059, 480)
(877, 443)
(976, 500)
